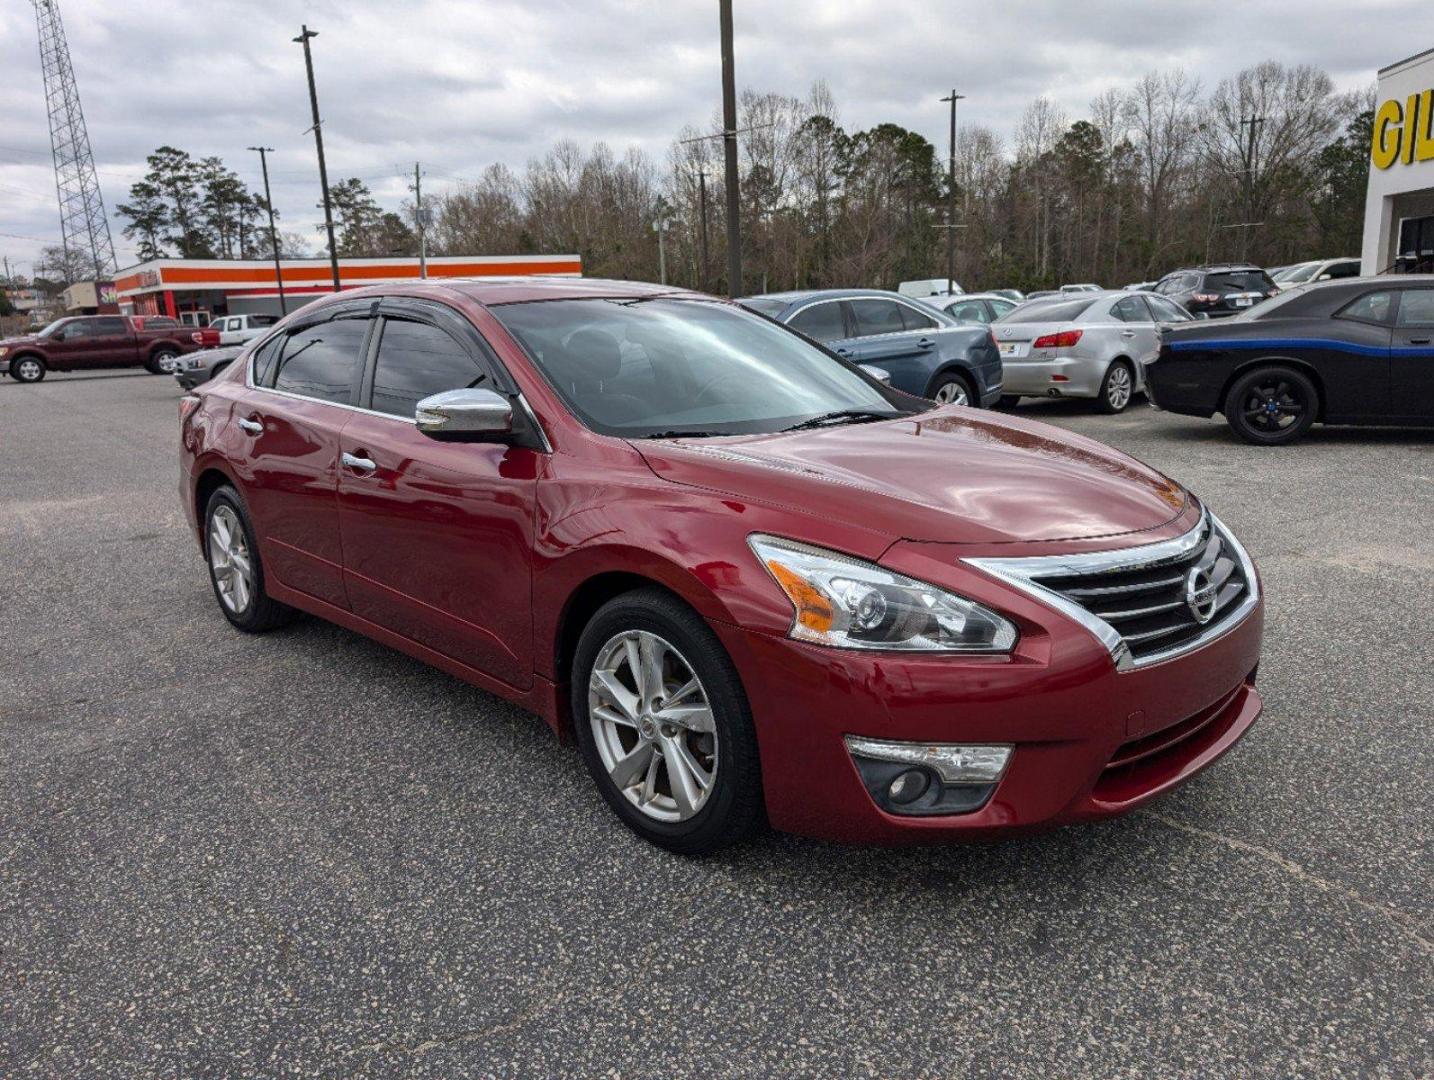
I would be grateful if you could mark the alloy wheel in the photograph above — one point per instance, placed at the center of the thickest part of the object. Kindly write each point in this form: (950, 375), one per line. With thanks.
(951, 393)
(1273, 406)
(229, 559)
(28, 370)
(653, 725)
(1117, 389)
(167, 363)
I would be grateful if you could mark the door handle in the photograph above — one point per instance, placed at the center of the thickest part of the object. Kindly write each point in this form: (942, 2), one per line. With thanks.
(1127, 333)
(1419, 341)
(926, 343)
(253, 427)
(361, 464)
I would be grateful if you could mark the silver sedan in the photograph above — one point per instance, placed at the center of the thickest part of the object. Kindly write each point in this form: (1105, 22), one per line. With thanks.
(1089, 345)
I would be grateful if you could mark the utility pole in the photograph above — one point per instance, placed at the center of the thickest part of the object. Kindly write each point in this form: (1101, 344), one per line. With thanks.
(660, 228)
(702, 213)
(1248, 153)
(729, 146)
(264, 152)
(951, 198)
(422, 224)
(303, 39)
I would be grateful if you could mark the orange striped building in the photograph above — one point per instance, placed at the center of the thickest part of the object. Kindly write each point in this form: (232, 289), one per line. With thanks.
(197, 290)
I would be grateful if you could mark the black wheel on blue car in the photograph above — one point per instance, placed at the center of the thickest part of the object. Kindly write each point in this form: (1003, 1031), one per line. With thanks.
(1271, 406)
(663, 724)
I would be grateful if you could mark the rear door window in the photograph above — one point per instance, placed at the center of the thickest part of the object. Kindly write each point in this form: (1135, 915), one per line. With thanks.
(321, 361)
(109, 327)
(1130, 309)
(875, 316)
(415, 361)
(1416, 308)
(821, 322)
(916, 320)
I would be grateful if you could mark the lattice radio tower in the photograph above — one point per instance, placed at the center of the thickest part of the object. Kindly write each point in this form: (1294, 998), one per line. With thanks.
(83, 224)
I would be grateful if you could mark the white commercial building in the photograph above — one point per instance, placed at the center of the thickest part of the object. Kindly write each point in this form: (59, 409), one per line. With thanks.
(1399, 209)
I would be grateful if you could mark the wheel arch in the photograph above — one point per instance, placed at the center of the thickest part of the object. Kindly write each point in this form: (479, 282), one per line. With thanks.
(165, 345)
(209, 480)
(952, 367)
(1304, 367)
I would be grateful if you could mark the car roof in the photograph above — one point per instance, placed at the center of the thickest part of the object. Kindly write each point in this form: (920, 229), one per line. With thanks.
(514, 290)
(798, 296)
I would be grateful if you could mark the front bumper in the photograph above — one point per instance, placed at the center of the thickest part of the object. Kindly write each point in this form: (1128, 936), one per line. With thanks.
(1090, 742)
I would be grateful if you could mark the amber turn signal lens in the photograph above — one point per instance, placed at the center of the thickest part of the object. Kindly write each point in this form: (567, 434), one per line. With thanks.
(814, 611)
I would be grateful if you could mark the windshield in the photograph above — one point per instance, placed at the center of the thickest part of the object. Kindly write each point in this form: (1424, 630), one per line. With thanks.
(1296, 274)
(670, 367)
(52, 327)
(1048, 311)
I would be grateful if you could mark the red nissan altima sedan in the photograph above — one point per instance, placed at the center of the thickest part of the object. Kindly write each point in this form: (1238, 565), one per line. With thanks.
(749, 580)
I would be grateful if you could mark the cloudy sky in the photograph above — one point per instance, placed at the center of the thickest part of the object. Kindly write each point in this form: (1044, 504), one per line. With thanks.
(459, 85)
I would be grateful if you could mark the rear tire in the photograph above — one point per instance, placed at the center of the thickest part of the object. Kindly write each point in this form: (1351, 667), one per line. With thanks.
(1116, 388)
(631, 766)
(28, 369)
(1271, 406)
(236, 571)
(953, 389)
(161, 362)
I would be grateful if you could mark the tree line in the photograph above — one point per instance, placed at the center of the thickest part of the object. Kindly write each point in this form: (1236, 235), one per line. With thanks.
(1161, 174)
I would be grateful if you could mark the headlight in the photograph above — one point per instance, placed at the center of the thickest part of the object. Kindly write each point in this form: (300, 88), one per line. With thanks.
(3, 351)
(852, 604)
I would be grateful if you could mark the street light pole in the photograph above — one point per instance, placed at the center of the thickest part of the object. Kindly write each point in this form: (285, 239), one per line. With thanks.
(264, 152)
(422, 224)
(729, 146)
(951, 197)
(303, 39)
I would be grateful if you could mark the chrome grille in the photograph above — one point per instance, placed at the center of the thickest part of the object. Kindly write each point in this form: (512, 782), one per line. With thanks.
(1148, 603)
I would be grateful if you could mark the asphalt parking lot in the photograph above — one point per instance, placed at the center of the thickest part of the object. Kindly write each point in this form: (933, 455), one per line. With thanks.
(305, 854)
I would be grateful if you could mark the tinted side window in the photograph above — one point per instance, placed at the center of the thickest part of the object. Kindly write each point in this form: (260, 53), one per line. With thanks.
(1343, 270)
(1165, 311)
(1416, 308)
(319, 361)
(1130, 309)
(968, 311)
(914, 319)
(108, 327)
(820, 322)
(416, 360)
(1371, 307)
(877, 317)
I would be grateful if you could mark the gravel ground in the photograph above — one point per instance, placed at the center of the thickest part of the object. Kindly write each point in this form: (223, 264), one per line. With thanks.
(305, 854)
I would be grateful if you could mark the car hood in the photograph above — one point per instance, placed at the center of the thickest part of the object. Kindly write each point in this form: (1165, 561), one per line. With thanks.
(23, 339)
(947, 476)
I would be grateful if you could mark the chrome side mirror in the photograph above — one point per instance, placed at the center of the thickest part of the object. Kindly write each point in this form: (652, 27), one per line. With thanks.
(465, 416)
(881, 375)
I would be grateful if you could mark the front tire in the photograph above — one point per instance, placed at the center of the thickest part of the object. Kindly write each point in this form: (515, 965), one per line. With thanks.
(162, 362)
(235, 570)
(664, 726)
(28, 369)
(952, 389)
(1116, 388)
(1271, 406)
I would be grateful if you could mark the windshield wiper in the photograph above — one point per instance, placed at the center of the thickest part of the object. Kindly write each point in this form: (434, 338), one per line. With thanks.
(827, 419)
(684, 433)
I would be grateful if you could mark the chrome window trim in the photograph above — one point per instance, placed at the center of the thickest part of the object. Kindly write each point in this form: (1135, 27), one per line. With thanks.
(411, 420)
(1022, 573)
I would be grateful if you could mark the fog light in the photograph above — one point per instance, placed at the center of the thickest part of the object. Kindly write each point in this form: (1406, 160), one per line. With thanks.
(908, 786)
(981, 763)
(924, 779)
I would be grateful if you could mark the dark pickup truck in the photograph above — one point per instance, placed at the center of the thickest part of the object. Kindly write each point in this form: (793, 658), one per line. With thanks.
(84, 342)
